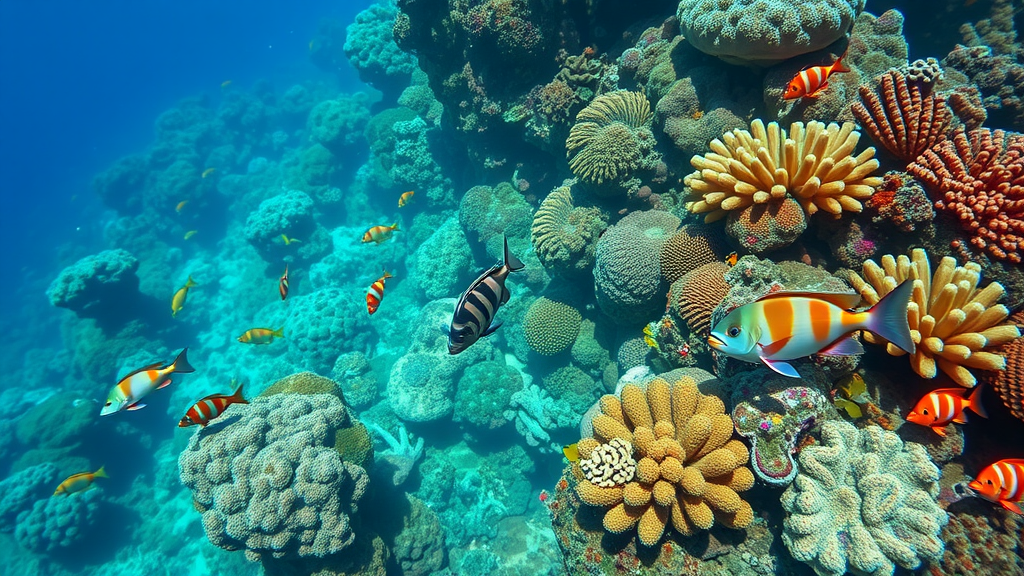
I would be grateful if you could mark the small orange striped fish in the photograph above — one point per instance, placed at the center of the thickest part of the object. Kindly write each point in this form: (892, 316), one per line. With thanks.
(125, 395)
(376, 293)
(405, 198)
(210, 407)
(260, 335)
(282, 285)
(378, 234)
(810, 81)
(79, 482)
(1003, 483)
(940, 407)
(788, 325)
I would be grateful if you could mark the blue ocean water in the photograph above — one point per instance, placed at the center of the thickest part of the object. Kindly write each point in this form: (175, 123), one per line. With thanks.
(437, 287)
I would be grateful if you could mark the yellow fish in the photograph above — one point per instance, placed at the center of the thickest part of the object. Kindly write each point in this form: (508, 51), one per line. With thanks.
(850, 393)
(180, 206)
(572, 452)
(405, 198)
(178, 302)
(79, 482)
(208, 171)
(731, 259)
(190, 234)
(260, 335)
(288, 240)
(225, 84)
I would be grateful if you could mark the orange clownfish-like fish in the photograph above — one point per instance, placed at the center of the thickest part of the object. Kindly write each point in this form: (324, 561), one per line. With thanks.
(732, 258)
(940, 407)
(210, 407)
(405, 198)
(1003, 483)
(282, 285)
(378, 234)
(783, 326)
(125, 395)
(79, 482)
(376, 293)
(260, 335)
(809, 82)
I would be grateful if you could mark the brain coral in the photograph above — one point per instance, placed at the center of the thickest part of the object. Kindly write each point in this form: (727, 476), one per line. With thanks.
(863, 502)
(418, 389)
(270, 483)
(688, 469)
(765, 31)
(565, 235)
(627, 271)
(551, 326)
(611, 138)
(323, 324)
(690, 248)
(54, 523)
(695, 296)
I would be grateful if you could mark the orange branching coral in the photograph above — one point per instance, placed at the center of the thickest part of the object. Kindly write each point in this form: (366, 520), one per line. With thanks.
(1009, 382)
(901, 118)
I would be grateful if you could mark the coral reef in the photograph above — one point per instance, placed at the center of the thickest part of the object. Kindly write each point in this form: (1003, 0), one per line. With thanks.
(998, 77)
(484, 394)
(977, 177)
(370, 48)
(96, 286)
(290, 214)
(565, 234)
(953, 323)
(22, 489)
(687, 470)
(396, 463)
(358, 381)
(690, 248)
(762, 228)
(551, 326)
(906, 118)
(419, 548)
(322, 325)
(865, 502)
(55, 523)
(338, 124)
(900, 201)
(694, 297)
(1009, 382)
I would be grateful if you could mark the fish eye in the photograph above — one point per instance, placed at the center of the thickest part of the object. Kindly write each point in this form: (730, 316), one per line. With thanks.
(989, 482)
(734, 331)
(925, 411)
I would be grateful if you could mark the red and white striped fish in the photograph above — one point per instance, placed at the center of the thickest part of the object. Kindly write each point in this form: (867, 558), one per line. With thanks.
(210, 407)
(282, 285)
(125, 395)
(376, 293)
(1003, 483)
(786, 325)
(810, 81)
(940, 407)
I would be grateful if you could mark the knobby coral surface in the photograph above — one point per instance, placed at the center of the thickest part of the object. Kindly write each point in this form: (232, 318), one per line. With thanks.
(814, 164)
(1009, 382)
(611, 137)
(904, 117)
(564, 235)
(953, 323)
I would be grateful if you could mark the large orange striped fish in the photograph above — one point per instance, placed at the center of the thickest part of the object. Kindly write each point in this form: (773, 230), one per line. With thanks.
(1003, 483)
(376, 293)
(79, 482)
(787, 325)
(210, 407)
(940, 407)
(378, 234)
(809, 82)
(125, 395)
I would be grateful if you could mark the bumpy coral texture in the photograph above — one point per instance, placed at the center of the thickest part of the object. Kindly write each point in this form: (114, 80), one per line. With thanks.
(864, 502)
(904, 116)
(22, 489)
(565, 235)
(611, 138)
(54, 523)
(953, 323)
(1009, 382)
(765, 30)
(978, 178)
(291, 214)
(270, 483)
(371, 49)
(695, 296)
(627, 272)
(551, 326)
(688, 468)
(338, 123)
(814, 164)
(322, 325)
(95, 282)
(689, 249)
(762, 228)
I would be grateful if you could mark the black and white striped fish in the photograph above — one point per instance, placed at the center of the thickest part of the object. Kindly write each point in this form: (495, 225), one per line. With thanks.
(474, 313)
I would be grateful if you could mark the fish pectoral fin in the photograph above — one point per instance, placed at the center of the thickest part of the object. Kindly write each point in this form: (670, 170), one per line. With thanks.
(960, 418)
(845, 346)
(1011, 506)
(773, 348)
(784, 368)
(164, 384)
(940, 430)
(136, 407)
(491, 329)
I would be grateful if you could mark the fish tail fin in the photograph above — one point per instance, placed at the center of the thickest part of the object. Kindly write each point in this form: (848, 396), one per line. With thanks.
(888, 318)
(101, 473)
(181, 364)
(279, 332)
(511, 262)
(190, 283)
(237, 397)
(839, 66)
(395, 227)
(974, 402)
(387, 274)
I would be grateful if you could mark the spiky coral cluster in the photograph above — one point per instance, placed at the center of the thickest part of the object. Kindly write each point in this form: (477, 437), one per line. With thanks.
(611, 137)
(953, 323)
(813, 164)
(688, 469)
(901, 117)
(978, 177)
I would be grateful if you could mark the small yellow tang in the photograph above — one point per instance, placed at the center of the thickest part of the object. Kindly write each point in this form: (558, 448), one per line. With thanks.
(572, 452)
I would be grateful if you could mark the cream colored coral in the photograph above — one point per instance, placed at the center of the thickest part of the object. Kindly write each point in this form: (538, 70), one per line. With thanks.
(813, 164)
(952, 321)
(688, 470)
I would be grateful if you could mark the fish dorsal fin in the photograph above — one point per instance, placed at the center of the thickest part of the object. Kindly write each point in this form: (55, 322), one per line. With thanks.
(958, 392)
(845, 300)
(479, 279)
(153, 366)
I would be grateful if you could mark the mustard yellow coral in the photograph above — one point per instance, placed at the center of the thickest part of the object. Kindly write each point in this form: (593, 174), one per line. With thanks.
(954, 324)
(814, 164)
(689, 471)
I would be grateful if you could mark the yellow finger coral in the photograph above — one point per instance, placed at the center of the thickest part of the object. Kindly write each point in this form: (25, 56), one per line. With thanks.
(814, 164)
(682, 466)
(952, 321)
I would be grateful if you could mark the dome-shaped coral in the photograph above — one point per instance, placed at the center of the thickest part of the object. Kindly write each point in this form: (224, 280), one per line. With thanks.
(611, 138)
(665, 455)
(695, 296)
(565, 235)
(765, 227)
(689, 249)
(551, 326)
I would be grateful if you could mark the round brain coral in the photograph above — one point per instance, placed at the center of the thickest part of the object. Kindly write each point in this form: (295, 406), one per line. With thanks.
(689, 249)
(627, 271)
(565, 235)
(551, 326)
(611, 137)
(762, 228)
(765, 31)
(688, 470)
(323, 324)
(695, 296)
